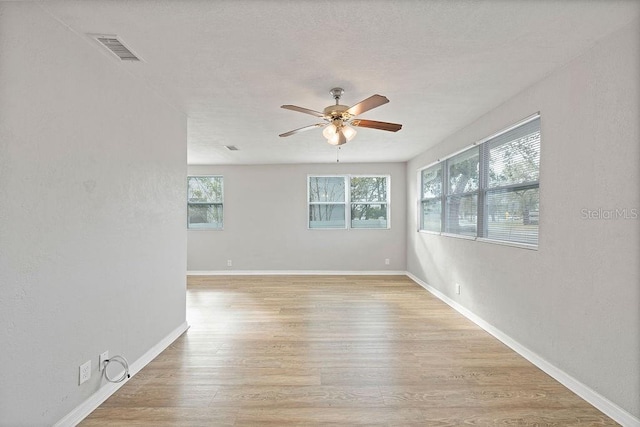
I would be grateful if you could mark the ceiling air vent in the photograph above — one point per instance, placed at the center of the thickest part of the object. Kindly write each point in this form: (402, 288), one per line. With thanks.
(116, 47)
(231, 147)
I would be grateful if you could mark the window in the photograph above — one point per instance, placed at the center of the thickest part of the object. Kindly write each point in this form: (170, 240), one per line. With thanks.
(431, 218)
(348, 202)
(512, 194)
(204, 206)
(369, 202)
(327, 202)
(461, 203)
(490, 191)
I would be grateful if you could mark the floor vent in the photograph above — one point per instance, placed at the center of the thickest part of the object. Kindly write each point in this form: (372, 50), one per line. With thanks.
(116, 47)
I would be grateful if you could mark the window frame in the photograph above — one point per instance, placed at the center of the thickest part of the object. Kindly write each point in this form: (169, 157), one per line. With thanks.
(423, 200)
(482, 192)
(221, 204)
(348, 203)
(343, 202)
(447, 194)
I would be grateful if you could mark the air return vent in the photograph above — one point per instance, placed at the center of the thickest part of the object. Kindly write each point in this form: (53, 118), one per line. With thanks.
(115, 46)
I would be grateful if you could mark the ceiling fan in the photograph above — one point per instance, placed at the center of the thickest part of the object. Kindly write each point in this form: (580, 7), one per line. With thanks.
(339, 120)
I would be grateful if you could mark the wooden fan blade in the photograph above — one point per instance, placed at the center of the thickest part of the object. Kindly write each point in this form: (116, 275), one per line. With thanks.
(291, 132)
(303, 110)
(391, 127)
(368, 104)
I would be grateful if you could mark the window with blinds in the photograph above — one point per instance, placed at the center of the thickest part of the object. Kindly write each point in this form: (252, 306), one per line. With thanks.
(512, 195)
(490, 191)
(204, 202)
(461, 204)
(348, 201)
(431, 198)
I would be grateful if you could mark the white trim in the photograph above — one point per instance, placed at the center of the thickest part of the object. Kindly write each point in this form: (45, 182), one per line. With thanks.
(603, 404)
(81, 411)
(294, 273)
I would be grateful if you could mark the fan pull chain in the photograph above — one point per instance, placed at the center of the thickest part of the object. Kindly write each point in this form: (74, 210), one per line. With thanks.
(338, 154)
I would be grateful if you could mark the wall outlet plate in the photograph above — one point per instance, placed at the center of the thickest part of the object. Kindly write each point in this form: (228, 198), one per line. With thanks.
(103, 356)
(85, 371)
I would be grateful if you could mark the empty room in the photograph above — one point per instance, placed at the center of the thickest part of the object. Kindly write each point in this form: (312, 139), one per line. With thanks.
(310, 213)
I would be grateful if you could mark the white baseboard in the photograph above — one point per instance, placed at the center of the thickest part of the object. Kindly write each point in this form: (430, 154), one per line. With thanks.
(600, 402)
(294, 273)
(81, 411)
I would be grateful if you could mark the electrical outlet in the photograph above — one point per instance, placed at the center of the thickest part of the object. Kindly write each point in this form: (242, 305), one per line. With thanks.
(458, 288)
(229, 263)
(103, 356)
(85, 371)
(387, 261)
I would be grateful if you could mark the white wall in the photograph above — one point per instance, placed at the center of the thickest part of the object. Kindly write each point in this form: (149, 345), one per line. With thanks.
(92, 239)
(575, 301)
(265, 223)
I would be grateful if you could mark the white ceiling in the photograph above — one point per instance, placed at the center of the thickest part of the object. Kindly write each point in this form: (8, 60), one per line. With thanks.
(230, 65)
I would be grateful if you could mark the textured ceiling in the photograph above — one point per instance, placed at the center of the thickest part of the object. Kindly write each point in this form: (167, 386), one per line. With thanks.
(229, 65)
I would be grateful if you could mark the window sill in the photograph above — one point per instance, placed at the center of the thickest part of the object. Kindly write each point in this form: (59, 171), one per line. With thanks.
(459, 236)
(483, 240)
(435, 233)
(348, 229)
(507, 243)
(205, 229)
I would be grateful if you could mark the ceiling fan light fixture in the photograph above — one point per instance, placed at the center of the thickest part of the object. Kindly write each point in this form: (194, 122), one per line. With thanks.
(348, 132)
(329, 131)
(337, 139)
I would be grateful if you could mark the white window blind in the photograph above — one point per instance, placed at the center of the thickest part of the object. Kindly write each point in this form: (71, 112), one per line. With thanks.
(490, 191)
(512, 197)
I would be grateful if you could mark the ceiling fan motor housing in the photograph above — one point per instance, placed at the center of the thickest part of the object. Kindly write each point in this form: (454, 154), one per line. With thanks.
(333, 112)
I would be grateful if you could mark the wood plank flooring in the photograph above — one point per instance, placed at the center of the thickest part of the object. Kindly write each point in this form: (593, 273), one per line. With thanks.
(335, 350)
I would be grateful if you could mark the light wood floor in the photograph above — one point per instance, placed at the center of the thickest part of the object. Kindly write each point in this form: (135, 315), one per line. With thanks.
(335, 350)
